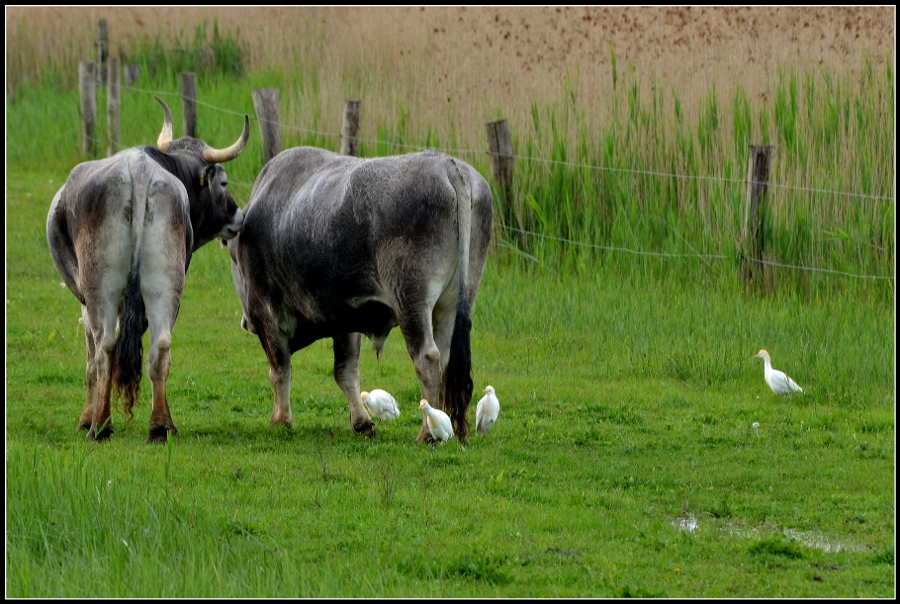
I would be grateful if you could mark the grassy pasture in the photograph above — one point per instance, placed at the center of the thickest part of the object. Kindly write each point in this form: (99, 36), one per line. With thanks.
(626, 460)
(627, 418)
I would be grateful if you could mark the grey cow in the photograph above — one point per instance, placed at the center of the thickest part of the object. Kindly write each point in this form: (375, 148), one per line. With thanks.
(121, 232)
(337, 246)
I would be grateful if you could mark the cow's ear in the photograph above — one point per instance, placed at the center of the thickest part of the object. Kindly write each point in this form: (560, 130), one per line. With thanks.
(206, 175)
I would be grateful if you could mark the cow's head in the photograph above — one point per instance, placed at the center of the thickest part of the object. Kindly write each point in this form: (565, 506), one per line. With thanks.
(214, 212)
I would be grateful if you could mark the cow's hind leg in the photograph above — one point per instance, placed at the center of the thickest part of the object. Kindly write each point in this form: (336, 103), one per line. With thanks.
(90, 375)
(278, 353)
(159, 359)
(443, 319)
(346, 374)
(161, 289)
(103, 272)
(426, 358)
(103, 327)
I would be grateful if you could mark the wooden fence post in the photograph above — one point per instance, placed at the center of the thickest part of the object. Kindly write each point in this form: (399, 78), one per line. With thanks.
(87, 87)
(188, 103)
(132, 73)
(350, 131)
(502, 162)
(102, 50)
(755, 219)
(112, 107)
(265, 101)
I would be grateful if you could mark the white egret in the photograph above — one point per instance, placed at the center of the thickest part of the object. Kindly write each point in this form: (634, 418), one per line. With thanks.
(487, 411)
(439, 423)
(777, 380)
(380, 404)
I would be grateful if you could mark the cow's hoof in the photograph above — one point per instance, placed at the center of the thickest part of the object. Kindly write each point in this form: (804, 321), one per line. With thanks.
(83, 426)
(102, 435)
(366, 428)
(424, 437)
(159, 434)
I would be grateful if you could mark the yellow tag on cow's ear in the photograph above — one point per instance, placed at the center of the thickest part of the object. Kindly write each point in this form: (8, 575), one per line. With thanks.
(201, 179)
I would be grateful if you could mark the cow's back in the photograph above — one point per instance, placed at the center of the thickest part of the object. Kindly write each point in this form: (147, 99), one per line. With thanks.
(110, 189)
(105, 208)
(315, 197)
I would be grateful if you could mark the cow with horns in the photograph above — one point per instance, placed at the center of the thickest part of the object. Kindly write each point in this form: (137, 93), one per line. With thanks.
(121, 232)
(335, 247)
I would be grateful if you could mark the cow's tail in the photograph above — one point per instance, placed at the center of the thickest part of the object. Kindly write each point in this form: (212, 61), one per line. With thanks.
(127, 363)
(458, 377)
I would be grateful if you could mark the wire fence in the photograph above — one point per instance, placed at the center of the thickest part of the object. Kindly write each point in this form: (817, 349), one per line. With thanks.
(695, 255)
(627, 171)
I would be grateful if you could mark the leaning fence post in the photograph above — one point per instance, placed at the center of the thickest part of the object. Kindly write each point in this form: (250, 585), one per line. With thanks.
(502, 162)
(755, 219)
(265, 101)
(188, 103)
(112, 107)
(102, 50)
(350, 130)
(87, 87)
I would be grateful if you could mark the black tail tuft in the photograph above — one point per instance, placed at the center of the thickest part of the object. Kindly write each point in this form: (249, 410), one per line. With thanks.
(458, 378)
(127, 367)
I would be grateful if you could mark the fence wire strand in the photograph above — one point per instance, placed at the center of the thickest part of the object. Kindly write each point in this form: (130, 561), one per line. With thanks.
(695, 255)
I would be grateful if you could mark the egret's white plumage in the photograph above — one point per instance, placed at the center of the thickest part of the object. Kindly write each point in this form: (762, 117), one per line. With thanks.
(381, 404)
(439, 423)
(777, 380)
(487, 411)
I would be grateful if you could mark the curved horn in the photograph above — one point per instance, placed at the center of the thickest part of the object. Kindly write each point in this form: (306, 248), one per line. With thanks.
(165, 137)
(219, 156)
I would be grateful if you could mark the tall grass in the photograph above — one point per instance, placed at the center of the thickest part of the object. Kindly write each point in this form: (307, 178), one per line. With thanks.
(209, 58)
(654, 180)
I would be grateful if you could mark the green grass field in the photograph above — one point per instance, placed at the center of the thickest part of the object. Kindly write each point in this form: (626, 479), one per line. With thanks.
(624, 462)
(638, 453)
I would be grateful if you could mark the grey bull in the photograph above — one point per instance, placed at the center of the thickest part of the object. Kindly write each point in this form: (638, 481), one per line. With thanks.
(121, 232)
(336, 246)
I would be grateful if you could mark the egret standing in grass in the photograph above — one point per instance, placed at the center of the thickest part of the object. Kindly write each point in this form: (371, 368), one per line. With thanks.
(487, 411)
(380, 404)
(439, 423)
(777, 380)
